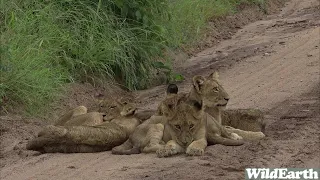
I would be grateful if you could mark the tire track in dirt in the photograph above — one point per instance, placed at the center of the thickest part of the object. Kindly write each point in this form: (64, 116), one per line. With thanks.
(285, 75)
(291, 141)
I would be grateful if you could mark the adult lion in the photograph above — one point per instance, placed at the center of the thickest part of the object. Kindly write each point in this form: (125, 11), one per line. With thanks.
(215, 99)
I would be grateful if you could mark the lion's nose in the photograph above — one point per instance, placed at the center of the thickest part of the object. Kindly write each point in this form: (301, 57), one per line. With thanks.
(227, 99)
(184, 143)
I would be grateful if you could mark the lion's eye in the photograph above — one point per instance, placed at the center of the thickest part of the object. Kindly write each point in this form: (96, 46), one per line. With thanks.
(177, 127)
(191, 126)
(215, 89)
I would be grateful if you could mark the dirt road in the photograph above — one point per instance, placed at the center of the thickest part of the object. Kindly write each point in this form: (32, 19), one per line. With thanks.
(271, 64)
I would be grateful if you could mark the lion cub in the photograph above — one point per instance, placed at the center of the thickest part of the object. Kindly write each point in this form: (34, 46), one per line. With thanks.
(165, 106)
(84, 138)
(107, 111)
(185, 130)
(127, 119)
(147, 137)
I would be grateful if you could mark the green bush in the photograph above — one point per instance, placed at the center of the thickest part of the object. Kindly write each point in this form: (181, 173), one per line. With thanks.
(45, 44)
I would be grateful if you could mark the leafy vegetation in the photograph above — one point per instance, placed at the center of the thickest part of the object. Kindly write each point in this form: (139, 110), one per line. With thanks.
(45, 44)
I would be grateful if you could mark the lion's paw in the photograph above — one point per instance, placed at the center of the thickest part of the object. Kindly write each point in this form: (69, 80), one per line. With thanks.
(166, 152)
(236, 136)
(194, 151)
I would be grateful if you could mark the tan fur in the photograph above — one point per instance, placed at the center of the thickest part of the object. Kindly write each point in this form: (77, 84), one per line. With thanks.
(215, 98)
(112, 108)
(108, 110)
(127, 120)
(144, 114)
(88, 119)
(244, 119)
(167, 106)
(185, 131)
(247, 135)
(81, 138)
(189, 129)
(147, 137)
(71, 114)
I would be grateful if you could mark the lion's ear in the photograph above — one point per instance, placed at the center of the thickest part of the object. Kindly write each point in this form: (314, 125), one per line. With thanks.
(99, 101)
(130, 111)
(172, 89)
(197, 108)
(198, 105)
(214, 75)
(198, 83)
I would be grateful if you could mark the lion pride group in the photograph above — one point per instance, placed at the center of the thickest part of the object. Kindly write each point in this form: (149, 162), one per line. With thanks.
(183, 123)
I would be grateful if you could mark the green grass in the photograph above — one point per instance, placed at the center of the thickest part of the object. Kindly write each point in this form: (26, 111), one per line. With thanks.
(189, 18)
(45, 44)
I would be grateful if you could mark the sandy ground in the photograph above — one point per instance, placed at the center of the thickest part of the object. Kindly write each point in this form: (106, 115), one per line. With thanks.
(271, 64)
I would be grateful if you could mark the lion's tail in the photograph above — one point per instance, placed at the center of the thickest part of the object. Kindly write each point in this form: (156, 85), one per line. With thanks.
(246, 135)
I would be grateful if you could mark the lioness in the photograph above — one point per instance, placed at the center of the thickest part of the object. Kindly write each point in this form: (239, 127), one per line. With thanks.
(80, 138)
(215, 98)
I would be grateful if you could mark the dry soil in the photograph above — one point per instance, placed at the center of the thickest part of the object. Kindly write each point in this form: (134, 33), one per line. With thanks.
(271, 64)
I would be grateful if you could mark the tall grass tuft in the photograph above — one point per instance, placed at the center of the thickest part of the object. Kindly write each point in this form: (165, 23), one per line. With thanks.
(45, 44)
(188, 18)
(28, 73)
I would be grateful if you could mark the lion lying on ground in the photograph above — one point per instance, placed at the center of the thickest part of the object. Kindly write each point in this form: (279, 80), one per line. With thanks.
(242, 122)
(244, 119)
(190, 129)
(185, 131)
(251, 120)
(107, 111)
(82, 138)
(75, 138)
(149, 136)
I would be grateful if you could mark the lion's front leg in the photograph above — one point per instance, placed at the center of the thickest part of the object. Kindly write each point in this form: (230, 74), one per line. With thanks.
(196, 148)
(171, 148)
(155, 133)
